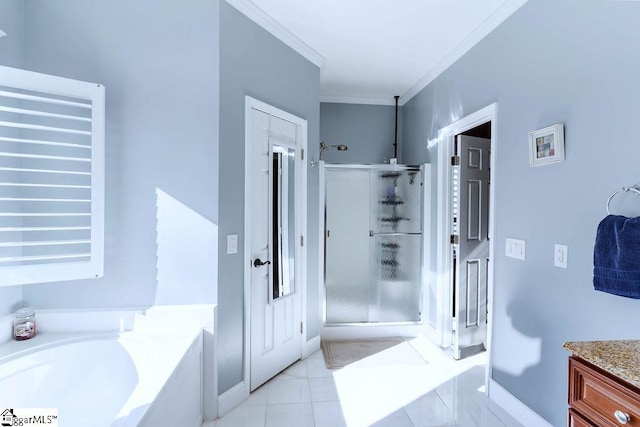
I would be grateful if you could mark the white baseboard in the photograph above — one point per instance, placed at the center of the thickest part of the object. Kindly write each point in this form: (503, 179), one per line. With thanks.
(515, 407)
(232, 398)
(311, 346)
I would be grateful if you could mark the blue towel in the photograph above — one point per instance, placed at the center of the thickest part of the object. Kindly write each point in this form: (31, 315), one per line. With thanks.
(616, 256)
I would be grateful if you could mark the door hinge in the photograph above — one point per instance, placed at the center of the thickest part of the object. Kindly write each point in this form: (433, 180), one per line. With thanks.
(301, 327)
(454, 239)
(302, 154)
(455, 160)
(301, 240)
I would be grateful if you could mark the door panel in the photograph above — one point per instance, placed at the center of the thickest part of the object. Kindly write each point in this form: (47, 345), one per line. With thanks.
(276, 338)
(347, 267)
(474, 207)
(473, 290)
(472, 250)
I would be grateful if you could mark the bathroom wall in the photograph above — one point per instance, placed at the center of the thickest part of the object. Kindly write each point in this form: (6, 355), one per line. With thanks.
(12, 23)
(11, 55)
(368, 131)
(163, 66)
(159, 62)
(571, 62)
(254, 63)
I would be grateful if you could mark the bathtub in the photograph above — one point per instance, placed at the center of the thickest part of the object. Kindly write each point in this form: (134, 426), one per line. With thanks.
(146, 377)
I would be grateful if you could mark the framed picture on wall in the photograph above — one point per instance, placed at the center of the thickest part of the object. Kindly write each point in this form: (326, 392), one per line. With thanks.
(546, 145)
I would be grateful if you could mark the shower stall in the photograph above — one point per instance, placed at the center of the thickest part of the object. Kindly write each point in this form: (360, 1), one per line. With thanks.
(374, 244)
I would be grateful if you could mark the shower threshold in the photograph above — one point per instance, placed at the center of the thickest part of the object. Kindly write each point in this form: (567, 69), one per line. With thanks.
(346, 331)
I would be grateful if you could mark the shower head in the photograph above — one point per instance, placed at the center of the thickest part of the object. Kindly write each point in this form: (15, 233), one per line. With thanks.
(324, 147)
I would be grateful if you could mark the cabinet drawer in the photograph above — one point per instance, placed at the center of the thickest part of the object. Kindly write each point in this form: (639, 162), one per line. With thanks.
(575, 420)
(597, 396)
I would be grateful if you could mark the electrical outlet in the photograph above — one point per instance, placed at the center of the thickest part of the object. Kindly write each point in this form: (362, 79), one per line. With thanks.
(560, 256)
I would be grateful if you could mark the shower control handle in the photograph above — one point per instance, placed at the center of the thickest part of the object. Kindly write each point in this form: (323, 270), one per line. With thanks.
(259, 263)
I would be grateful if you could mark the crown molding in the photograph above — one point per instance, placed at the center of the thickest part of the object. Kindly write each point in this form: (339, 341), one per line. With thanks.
(358, 100)
(257, 15)
(487, 26)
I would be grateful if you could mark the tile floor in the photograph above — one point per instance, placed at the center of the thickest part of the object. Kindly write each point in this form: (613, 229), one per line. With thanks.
(413, 384)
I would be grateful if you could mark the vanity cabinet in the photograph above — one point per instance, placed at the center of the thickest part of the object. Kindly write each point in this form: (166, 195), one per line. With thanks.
(599, 398)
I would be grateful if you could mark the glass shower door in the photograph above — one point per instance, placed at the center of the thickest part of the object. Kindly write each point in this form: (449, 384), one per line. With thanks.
(395, 245)
(373, 244)
(347, 246)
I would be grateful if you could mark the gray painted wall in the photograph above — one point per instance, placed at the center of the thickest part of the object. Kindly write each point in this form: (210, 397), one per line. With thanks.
(159, 63)
(368, 131)
(571, 62)
(254, 63)
(11, 55)
(12, 23)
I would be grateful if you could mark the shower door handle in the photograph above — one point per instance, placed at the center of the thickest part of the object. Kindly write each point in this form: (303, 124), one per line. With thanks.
(372, 234)
(259, 263)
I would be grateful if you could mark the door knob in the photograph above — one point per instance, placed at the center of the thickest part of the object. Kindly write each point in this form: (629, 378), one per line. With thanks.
(258, 262)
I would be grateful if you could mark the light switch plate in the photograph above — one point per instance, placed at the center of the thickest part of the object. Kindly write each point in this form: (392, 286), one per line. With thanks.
(515, 248)
(232, 244)
(560, 253)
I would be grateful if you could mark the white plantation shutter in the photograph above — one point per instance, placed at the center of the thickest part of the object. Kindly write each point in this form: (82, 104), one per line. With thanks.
(51, 178)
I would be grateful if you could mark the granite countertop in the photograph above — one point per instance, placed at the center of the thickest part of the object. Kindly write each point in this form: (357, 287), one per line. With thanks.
(620, 358)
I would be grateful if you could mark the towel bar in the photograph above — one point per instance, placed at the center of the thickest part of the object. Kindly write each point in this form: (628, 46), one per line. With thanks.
(634, 189)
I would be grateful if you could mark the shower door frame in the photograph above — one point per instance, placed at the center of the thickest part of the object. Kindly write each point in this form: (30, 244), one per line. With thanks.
(376, 329)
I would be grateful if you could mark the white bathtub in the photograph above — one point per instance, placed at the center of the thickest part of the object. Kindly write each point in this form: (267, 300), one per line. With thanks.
(150, 377)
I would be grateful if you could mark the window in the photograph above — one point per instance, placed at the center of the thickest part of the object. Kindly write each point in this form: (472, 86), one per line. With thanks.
(51, 178)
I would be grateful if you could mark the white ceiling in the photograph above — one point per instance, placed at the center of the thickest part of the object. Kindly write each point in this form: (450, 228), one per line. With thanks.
(375, 49)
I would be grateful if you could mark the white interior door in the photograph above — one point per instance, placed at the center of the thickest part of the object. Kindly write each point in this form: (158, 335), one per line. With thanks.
(470, 210)
(275, 229)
